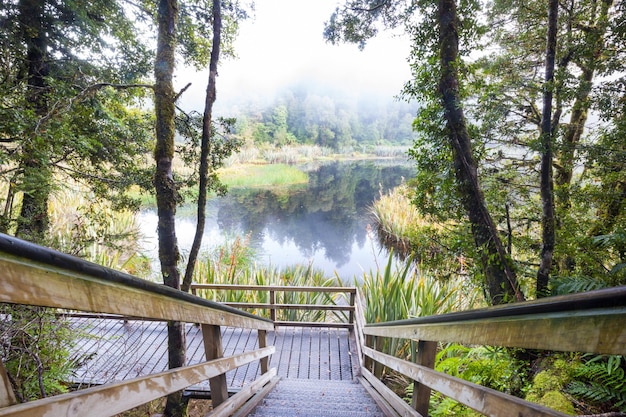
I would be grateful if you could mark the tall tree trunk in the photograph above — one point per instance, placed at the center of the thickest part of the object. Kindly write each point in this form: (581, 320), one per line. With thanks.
(205, 149)
(33, 221)
(546, 183)
(166, 191)
(497, 266)
(594, 36)
(565, 154)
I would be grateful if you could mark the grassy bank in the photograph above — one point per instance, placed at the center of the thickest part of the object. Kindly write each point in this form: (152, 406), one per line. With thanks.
(436, 246)
(260, 176)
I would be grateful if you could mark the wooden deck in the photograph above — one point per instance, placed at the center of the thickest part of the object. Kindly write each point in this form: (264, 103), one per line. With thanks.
(110, 350)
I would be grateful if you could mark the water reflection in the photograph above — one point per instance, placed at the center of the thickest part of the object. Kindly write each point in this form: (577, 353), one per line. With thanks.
(324, 222)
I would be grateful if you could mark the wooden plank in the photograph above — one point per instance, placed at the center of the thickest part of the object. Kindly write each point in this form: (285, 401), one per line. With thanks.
(386, 399)
(7, 396)
(268, 306)
(213, 350)
(312, 324)
(599, 331)
(107, 400)
(285, 288)
(262, 335)
(25, 282)
(484, 400)
(235, 402)
(258, 397)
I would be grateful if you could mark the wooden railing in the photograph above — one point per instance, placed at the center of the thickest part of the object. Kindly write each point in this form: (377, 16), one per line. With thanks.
(591, 322)
(33, 275)
(344, 305)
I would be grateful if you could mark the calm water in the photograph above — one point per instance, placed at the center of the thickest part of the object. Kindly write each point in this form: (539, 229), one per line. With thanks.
(324, 222)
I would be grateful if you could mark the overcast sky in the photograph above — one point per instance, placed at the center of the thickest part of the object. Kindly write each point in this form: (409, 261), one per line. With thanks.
(283, 44)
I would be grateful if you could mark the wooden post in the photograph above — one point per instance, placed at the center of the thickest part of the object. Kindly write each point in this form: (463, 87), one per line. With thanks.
(426, 352)
(352, 297)
(7, 397)
(378, 367)
(212, 336)
(263, 343)
(368, 363)
(272, 303)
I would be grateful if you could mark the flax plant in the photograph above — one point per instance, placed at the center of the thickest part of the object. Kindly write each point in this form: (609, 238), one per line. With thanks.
(400, 292)
(232, 263)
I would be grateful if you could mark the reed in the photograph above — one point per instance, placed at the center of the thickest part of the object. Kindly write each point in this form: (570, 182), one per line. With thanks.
(435, 245)
(232, 263)
(400, 291)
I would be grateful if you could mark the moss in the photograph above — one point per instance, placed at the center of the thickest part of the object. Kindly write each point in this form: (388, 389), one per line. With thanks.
(557, 401)
(547, 385)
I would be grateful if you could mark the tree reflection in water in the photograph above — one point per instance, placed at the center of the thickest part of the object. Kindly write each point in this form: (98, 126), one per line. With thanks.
(324, 221)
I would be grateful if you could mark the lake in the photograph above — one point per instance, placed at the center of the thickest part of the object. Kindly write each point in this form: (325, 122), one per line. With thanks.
(325, 222)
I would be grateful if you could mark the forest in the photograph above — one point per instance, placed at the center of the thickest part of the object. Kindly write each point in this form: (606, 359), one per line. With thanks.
(514, 116)
(306, 114)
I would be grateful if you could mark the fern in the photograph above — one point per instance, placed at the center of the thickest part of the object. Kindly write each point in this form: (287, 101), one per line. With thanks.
(601, 380)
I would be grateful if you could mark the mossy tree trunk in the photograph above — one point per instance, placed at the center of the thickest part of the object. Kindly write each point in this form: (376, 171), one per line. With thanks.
(166, 189)
(500, 278)
(546, 185)
(33, 221)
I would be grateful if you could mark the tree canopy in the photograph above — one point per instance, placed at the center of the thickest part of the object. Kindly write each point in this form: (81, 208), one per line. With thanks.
(501, 67)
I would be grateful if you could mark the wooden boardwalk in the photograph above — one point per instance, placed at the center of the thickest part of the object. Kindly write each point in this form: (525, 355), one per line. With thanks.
(110, 350)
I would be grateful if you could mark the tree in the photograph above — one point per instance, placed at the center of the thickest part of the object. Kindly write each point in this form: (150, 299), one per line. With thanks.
(546, 184)
(194, 47)
(67, 112)
(166, 189)
(500, 278)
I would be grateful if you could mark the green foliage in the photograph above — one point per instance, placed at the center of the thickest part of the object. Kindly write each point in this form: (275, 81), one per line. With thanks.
(328, 119)
(35, 350)
(491, 367)
(601, 381)
(400, 291)
(232, 263)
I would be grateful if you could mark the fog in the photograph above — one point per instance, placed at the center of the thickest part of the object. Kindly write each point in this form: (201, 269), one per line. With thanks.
(282, 45)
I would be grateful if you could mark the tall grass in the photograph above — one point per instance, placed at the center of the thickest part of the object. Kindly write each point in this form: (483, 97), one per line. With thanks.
(232, 263)
(400, 291)
(94, 231)
(401, 226)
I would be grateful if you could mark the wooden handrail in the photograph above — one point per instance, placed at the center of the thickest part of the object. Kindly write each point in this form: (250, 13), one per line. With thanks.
(34, 275)
(285, 288)
(590, 322)
(273, 306)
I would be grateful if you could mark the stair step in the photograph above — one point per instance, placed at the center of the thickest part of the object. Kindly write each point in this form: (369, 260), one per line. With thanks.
(305, 398)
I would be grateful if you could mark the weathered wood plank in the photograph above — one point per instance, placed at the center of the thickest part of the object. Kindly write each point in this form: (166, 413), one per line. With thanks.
(268, 306)
(278, 288)
(26, 282)
(262, 335)
(484, 400)
(313, 324)
(107, 400)
(235, 402)
(257, 398)
(7, 397)
(599, 331)
(426, 353)
(392, 404)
